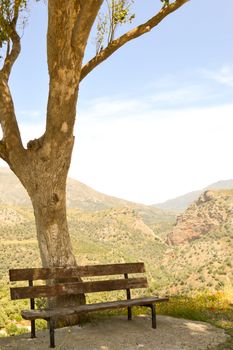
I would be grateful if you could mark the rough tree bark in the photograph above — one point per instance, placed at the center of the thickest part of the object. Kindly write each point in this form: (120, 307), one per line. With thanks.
(43, 166)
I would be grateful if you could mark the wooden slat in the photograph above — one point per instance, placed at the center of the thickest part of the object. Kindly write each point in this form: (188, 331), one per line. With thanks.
(46, 313)
(79, 271)
(118, 304)
(58, 312)
(76, 288)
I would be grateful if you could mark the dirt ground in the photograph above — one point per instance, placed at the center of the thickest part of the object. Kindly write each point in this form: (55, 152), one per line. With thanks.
(116, 333)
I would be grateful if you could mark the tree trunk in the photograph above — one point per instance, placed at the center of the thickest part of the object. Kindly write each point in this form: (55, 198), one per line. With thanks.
(49, 206)
(54, 241)
(44, 177)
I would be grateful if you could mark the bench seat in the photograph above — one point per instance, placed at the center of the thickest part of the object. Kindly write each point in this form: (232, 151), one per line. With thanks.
(58, 312)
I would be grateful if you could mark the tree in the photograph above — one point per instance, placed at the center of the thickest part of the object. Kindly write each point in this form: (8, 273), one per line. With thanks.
(42, 167)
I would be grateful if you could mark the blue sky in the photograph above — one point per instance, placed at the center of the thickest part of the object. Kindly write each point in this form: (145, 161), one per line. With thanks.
(155, 120)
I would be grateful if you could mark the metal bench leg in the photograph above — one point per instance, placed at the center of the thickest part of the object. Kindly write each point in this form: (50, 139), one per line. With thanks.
(33, 329)
(51, 333)
(153, 314)
(129, 313)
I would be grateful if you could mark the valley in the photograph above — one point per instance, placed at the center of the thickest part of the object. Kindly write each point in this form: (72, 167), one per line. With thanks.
(191, 251)
(188, 255)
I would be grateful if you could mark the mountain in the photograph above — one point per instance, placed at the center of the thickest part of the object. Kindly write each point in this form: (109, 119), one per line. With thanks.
(82, 197)
(78, 195)
(130, 233)
(181, 203)
(212, 212)
(121, 235)
(202, 245)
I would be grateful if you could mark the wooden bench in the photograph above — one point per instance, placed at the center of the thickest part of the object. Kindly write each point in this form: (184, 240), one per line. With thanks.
(73, 288)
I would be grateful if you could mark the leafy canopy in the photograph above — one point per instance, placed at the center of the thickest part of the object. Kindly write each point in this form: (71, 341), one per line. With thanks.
(9, 13)
(117, 12)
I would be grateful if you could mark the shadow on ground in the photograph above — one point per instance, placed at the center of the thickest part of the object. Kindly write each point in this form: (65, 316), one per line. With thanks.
(116, 333)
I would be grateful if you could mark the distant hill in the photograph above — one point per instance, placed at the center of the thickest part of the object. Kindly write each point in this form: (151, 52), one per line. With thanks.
(181, 203)
(78, 195)
(202, 244)
(106, 229)
(121, 235)
(82, 197)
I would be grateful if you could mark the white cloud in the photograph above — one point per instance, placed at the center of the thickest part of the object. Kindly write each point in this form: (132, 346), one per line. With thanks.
(110, 108)
(131, 150)
(193, 88)
(29, 113)
(179, 95)
(224, 75)
(155, 155)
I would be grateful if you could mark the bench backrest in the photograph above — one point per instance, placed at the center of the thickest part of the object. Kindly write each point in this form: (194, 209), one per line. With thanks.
(69, 287)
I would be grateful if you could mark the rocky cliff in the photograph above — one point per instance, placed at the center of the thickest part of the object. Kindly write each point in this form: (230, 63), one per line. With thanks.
(181, 203)
(212, 211)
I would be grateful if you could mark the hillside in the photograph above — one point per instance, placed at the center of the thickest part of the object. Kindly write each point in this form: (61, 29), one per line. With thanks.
(112, 235)
(202, 244)
(200, 262)
(102, 227)
(121, 235)
(131, 233)
(181, 203)
(212, 211)
(78, 195)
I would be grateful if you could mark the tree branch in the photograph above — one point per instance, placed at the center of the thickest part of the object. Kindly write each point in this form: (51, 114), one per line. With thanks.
(130, 35)
(11, 55)
(84, 22)
(11, 142)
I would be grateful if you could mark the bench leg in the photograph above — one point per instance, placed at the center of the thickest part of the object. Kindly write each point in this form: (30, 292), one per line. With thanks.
(153, 314)
(33, 329)
(129, 313)
(51, 333)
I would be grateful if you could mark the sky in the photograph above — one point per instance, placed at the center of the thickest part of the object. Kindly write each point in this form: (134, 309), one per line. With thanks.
(155, 120)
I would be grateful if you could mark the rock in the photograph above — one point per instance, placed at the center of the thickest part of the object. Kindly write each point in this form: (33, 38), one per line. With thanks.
(211, 211)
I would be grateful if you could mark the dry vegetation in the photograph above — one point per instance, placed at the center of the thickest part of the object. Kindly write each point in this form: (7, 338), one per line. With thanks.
(196, 273)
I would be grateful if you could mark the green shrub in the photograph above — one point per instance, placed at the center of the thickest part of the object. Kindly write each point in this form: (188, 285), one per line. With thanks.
(3, 319)
(11, 329)
(41, 324)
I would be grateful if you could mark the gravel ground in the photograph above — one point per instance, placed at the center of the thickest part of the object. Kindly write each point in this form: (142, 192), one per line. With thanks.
(116, 333)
